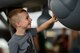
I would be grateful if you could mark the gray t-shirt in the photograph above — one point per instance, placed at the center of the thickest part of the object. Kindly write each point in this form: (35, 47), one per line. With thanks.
(19, 44)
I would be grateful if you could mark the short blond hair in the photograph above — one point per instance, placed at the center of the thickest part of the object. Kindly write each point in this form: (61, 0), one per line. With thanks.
(13, 16)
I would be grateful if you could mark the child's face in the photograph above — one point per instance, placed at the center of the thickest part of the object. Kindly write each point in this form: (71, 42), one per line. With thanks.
(25, 21)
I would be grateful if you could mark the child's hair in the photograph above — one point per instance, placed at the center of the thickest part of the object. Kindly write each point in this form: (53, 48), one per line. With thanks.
(13, 16)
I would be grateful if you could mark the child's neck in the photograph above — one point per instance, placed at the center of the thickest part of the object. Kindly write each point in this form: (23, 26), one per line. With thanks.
(20, 32)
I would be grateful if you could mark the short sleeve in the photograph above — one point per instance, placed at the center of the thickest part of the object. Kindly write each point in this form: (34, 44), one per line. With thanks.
(33, 31)
(13, 47)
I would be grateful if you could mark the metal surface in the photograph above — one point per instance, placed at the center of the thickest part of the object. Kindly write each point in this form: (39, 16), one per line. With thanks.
(68, 13)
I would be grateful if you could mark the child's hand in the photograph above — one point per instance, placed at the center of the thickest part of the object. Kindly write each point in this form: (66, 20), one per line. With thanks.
(54, 18)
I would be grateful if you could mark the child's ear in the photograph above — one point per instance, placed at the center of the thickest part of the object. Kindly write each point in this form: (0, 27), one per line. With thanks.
(17, 24)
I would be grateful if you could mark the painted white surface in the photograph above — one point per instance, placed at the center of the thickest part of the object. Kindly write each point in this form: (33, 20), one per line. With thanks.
(4, 45)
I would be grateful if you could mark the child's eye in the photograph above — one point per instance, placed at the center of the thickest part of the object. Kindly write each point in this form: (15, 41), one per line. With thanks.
(26, 18)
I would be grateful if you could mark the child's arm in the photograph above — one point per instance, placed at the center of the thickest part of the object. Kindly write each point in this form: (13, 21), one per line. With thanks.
(46, 24)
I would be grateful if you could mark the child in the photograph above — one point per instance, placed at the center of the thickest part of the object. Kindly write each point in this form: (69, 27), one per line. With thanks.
(21, 41)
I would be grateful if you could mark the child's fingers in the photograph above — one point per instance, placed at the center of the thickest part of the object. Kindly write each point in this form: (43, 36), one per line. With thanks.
(55, 18)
